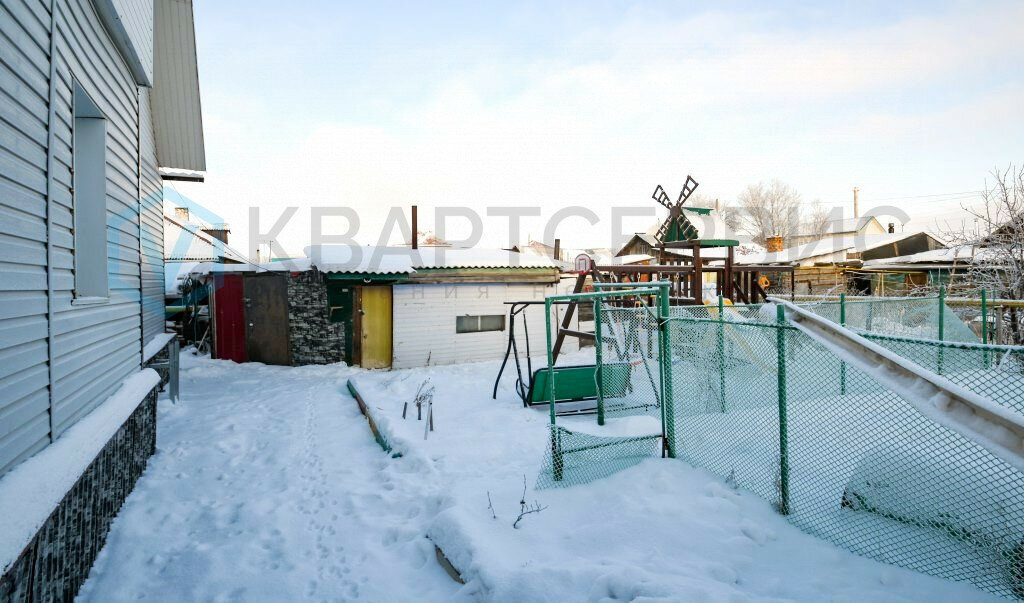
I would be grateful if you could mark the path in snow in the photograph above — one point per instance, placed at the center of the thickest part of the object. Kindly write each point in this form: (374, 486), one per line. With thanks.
(267, 486)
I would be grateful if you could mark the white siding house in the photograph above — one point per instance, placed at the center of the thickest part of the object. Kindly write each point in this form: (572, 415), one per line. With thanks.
(81, 259)
(427, 322)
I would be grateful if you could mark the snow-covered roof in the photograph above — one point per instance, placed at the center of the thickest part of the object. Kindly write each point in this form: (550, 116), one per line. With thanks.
(196, 245)
(605, 259)
(947, 255)
(290, 265)
(824, 246)
(403, 260)
(849, 225)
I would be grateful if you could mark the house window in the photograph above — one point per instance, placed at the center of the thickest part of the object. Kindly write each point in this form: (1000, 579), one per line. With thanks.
(479, 324)
(89, 156)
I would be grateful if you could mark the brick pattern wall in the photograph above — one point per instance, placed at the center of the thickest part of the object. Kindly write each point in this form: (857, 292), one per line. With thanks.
(57, 561)
(314, 338)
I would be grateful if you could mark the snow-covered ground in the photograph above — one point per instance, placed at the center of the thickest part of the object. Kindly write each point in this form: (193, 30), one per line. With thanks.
(267, 485)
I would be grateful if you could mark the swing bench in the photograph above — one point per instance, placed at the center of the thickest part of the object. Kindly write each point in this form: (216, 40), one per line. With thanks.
(575, 387)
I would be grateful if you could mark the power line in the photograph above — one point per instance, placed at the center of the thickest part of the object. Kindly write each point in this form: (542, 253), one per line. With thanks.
(969, 193)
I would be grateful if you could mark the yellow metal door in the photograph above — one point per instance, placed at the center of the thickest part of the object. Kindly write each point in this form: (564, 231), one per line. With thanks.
(376, 327)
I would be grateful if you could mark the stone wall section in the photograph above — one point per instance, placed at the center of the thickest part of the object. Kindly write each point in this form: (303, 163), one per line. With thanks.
(314, 338)
(57, 561)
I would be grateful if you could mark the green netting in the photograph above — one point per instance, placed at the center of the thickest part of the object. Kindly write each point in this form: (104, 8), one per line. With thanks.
(630, 374)
(628, 381)
(847, 459)
(574, 458)
(916, 317)
(994, 371)
(758, 402)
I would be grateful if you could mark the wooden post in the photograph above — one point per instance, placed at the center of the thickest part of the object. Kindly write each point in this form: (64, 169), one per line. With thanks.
(729, 257)
(558, 249)
(698, 280)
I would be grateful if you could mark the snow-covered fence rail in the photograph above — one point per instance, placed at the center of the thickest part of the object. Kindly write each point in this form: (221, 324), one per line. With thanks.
(997, 428)
(378, 435)
(868, 447)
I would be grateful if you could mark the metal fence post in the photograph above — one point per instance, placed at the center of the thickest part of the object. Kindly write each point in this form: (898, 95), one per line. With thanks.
(174, 368)
(842, 364)
(984, 324)
(721, 353)
(667, 399)
(556, 449)
(598, 353)
(942, 324)
(780, 342)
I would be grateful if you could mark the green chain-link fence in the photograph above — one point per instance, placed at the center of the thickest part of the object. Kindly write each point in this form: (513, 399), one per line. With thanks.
(848, 459)
(746, 395)
(917, 317)
(628, 423)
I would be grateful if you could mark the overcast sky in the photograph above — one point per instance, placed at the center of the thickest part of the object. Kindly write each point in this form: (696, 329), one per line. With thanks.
(378, 105)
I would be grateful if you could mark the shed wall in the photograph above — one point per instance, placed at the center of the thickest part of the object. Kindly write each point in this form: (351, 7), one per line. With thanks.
(424, 319)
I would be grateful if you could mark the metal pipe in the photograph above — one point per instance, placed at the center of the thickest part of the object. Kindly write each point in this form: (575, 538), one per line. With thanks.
(667, 399)
(599, 294)
(942, 324)
(842, 364)
(721, 353)
(627, 285)
(984, 325)
(598, 353)
(780, 339)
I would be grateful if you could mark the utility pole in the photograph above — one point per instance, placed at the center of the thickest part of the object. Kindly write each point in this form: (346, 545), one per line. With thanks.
(415, 229)
(856, 209)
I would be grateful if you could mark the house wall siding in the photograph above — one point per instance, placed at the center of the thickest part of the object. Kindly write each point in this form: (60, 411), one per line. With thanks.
(424, 322)
(24, 94)
(93, 347)
(152, 225)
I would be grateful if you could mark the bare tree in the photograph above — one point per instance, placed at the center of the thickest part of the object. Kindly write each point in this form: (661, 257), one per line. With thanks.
(768, 210)
(816, 218)
(995, 246)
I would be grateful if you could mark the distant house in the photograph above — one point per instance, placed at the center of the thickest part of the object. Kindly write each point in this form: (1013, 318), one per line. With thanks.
(100, 103)
(640, 243)
(840, 229)
(831, 263)
(188, 242)
(925, 268)
(378, 307)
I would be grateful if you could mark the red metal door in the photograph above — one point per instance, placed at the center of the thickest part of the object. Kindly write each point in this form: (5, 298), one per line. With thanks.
(229, 318)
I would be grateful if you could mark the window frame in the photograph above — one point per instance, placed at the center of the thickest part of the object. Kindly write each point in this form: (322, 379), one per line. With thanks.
(89, 199)
(478, 320)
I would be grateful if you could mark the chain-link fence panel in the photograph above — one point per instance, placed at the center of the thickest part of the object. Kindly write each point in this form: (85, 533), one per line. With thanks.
(916, 317)
(630, 361)
(574, 458)
(770, 410)
(993, 371)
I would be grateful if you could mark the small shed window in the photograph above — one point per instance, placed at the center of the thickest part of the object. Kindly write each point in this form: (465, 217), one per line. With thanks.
(89, 154)
(478, 324)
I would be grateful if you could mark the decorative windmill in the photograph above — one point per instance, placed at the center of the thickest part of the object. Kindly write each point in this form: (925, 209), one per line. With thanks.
(675, 212)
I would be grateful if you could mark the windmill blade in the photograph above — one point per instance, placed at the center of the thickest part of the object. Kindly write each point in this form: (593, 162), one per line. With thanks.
(662, 197)
(662, 230)
(688, 188)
